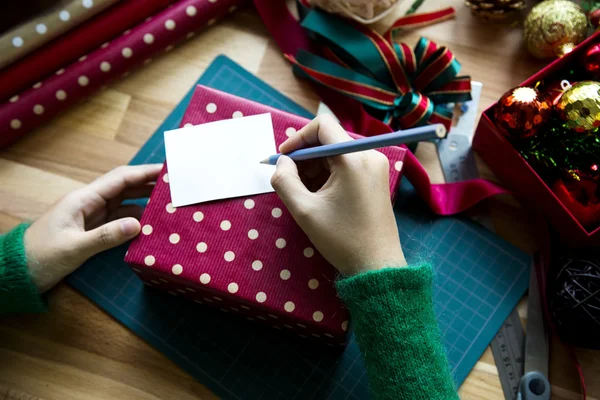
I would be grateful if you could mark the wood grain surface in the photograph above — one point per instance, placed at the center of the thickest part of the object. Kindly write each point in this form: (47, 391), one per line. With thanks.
(76, 351)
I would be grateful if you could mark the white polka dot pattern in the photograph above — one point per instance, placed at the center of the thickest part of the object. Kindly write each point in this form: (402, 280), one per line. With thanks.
(285, 274)
(105, 66)
(345, 326)
(290, 131)
(276, 212)
(249, 204)
(229, 256)
(64, 15)
(211, 108)
(15, 124)
(205, 278)
(398, 165)
(308, 252)
(148, 38)
(257, 265)
(147, 229)
(61, 95)
(170, 209)
(313, 284)
(191, 11)
(237, 114)
(289, 306)
(17, 41)
(174, 238)
(280, 243)
(41, 28)
(225, 225)
(38, 109)
(83, 80)
(177, 269)
(198, 216)
(127, 52)
(149, 260)
(170, 24)
(261, 297)
(252, 234)
(201, 247)
(233, 287)
(318, 316)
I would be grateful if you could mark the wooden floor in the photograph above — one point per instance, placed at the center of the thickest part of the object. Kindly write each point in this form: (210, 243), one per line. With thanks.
(76, 351)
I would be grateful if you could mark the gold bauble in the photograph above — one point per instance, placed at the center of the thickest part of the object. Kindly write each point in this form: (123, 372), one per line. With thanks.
(579, 106)
(495, 9)
(554, 27)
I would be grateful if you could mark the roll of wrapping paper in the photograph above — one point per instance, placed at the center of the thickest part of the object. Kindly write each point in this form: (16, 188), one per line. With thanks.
(24, 112)
(76, 43)
(27, 37)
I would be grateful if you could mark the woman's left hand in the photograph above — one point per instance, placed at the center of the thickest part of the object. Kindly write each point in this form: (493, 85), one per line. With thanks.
(86, 222)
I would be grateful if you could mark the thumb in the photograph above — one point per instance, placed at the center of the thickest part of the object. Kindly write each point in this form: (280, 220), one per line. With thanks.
(288, 185)
(109, 235)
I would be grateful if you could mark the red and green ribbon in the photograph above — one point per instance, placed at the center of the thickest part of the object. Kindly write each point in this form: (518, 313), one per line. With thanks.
(402, 86)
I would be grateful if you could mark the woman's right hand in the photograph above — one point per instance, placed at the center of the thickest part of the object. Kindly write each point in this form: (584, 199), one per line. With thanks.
(350, 218)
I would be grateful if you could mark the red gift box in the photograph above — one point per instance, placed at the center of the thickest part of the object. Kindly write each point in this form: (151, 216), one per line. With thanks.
(520, 177)
(245, 255)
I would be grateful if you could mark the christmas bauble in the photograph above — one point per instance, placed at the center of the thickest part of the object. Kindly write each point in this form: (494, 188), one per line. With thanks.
(554, 27)
(591, 60)
(594, 17)
(579, 106)
(575, 297)
(521, 112)
(495, 9)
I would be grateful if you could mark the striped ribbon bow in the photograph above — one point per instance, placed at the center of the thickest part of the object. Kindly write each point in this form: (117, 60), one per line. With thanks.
(401, 86)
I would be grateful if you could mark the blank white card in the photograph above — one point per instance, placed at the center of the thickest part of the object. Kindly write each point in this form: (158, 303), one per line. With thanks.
(220, 160)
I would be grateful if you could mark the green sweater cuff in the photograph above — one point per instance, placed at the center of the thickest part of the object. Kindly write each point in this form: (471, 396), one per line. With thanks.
(18, 294)
(396, 329)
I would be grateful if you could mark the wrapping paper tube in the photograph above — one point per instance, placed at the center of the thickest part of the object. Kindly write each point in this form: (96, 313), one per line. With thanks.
(44, 100)
(35, 33)
(75, 43)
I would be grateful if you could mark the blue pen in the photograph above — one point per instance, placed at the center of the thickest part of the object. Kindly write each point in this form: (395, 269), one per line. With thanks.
(368, 143)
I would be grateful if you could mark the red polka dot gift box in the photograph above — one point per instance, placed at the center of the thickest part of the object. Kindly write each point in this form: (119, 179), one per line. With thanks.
(245, 255)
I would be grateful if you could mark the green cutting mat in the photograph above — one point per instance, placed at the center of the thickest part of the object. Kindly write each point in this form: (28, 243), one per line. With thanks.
(480, 278)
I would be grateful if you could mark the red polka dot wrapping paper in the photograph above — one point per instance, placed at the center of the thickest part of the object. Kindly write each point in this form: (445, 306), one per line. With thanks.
(245, 255)
(157, 34)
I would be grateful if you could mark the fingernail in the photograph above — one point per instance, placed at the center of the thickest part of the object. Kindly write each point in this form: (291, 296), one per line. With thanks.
(130, 227)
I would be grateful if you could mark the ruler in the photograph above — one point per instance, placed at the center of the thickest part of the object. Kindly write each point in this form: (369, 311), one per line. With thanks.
(458, 163)
(508, 348)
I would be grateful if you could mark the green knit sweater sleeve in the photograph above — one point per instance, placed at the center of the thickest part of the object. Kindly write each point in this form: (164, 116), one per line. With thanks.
(396, 330)
(18, 294)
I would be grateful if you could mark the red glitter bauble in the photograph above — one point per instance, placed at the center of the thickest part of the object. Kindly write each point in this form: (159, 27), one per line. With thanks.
(591, 60)
(521, 112)
(594, 18)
